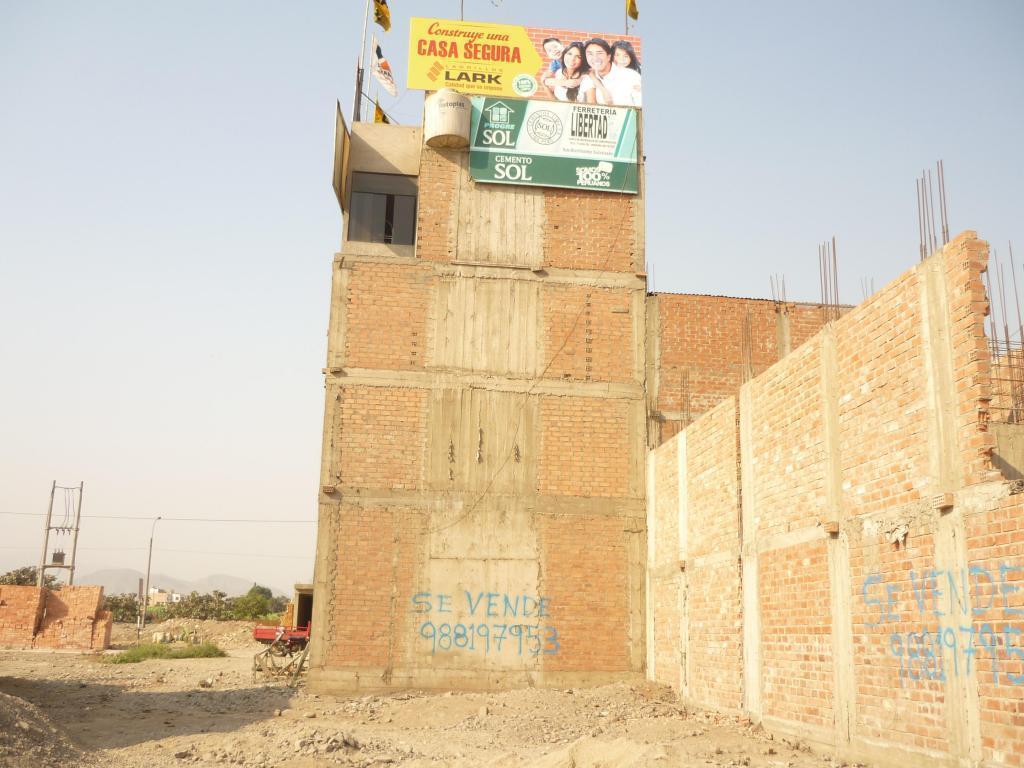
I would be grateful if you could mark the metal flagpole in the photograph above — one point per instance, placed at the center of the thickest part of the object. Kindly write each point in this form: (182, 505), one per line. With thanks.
(359, 67)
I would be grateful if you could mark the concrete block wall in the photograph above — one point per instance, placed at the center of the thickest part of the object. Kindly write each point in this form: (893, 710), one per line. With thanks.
(482, 487)
(882, 556)
(68, 618)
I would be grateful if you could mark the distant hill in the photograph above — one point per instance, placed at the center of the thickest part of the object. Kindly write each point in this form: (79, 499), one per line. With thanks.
(117, 581)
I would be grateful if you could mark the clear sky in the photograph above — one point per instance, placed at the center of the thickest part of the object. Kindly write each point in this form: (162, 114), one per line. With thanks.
(167, 222)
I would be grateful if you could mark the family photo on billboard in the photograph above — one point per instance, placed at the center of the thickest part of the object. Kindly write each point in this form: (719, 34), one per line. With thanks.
(593, 71)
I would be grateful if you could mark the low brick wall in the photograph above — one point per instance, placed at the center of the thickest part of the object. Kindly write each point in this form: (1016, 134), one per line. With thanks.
(68, 618)
(20, 611)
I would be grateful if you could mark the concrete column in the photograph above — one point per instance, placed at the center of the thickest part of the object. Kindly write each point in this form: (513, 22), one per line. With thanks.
(683, 576)
(751, 598)
(783, 340)
(844, 683)
(652, 532)
(963, 716)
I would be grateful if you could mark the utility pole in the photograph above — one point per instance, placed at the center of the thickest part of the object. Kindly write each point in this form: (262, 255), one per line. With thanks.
(149, 563)
(46, 537)
(63, 528)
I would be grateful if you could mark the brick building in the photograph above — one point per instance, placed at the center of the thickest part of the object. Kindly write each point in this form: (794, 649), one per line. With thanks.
(534, 472)
(496, 372)
(482, 506)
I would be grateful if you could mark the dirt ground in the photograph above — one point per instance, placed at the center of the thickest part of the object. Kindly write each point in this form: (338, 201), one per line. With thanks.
(59, 708)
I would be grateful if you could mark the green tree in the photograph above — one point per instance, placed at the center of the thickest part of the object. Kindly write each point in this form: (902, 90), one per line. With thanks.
(278, 604)
(250, 606)
(123, 607)
(259, 590)
(27, 577)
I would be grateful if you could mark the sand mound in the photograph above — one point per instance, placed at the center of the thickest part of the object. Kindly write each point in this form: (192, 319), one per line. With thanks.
(29, 740)
(228, 635)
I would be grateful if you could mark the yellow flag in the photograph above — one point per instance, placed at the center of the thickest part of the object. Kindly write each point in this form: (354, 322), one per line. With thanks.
(378, 113)
(382, 14)
(632, 10)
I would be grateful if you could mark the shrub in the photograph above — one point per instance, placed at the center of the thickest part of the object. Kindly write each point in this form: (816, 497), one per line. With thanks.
(164, 651)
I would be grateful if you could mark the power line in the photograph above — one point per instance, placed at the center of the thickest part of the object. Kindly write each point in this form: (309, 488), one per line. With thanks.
(176, 551)
(176, 519)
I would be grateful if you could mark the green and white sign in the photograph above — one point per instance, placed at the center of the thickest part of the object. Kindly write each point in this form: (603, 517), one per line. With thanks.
(553, 144)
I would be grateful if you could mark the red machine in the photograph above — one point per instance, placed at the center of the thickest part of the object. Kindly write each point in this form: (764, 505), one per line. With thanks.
(283, 641)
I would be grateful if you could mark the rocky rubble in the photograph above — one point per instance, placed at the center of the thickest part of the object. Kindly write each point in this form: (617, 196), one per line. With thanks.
(210, 712)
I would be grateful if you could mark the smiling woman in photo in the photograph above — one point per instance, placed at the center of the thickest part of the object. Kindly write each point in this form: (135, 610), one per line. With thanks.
(565, 84)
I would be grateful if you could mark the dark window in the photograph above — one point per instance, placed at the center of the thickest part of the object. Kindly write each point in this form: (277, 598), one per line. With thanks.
(382, 208)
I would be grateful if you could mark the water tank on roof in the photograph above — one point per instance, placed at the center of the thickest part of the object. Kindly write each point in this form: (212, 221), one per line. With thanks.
(446, 120)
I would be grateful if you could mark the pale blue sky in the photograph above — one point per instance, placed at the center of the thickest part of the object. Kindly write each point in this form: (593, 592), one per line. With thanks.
(167, 222)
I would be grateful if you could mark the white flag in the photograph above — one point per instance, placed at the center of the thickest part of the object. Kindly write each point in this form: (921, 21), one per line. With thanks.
(381, 69)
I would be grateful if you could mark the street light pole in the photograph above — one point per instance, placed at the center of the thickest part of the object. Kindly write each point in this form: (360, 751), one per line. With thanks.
(149, 562)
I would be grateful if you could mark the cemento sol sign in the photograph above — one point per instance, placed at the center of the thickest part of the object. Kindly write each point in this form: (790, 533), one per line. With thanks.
(471, 57)
(550, 144)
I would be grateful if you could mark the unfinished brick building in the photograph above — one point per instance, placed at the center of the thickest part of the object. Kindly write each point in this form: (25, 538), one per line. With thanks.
(536, 473)
(482, 514)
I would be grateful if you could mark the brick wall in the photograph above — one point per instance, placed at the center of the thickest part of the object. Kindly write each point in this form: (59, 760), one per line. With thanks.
(438, 184)
(693, 565)
(882, 555)
(376, 560)
(380, 438)
(68, 618)
(585, 575)
(386, 316)
(584, 447)
(712, 557)
(20, 612)
(699, 348)
(996, 572)
(588, 334)
(796, 634)
(73, 618)
(596, 232)
(664, 579)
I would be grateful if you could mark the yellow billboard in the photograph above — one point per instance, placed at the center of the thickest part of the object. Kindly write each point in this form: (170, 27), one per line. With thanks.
(472, 57)
(509, 61)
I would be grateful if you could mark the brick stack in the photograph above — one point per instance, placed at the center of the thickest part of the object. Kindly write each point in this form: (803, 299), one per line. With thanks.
(68, 618)
(20, 610)
(73, 618)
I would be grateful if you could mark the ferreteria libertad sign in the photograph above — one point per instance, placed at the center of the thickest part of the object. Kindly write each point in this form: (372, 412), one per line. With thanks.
(550, 144)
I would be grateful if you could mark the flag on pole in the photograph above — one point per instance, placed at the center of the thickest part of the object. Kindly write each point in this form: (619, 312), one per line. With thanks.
(382, 14)
(382, 69)
(631, 10)
(378, 113)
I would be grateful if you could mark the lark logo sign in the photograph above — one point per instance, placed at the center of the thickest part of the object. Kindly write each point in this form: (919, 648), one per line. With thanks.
(574, 146)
